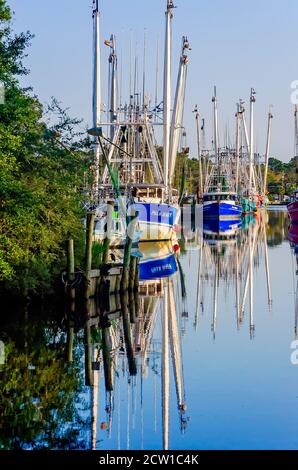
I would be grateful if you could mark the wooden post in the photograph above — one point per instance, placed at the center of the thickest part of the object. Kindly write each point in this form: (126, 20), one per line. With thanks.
(88, 359)
(132, 272)
(137, 276)
(132, 224)
(107, 360)
(132, 307)
(88, 255)
(70, 337)
(70, 269)
(127, 334)
(109, 225)
(118, 283)
(137, 287)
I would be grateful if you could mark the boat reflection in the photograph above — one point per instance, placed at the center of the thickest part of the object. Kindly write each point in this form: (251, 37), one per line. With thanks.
(293, 239)
(228, 255)
(140, 337)
(158, 260)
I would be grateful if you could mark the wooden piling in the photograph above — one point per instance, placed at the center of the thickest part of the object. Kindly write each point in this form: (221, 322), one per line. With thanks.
(108, 231)
(88, 253)
(107, 360)
(70, 269)
(132, 273)
(136, 288)
(132, 306)
(132, 225)
(127, 334)
(137, 275)
(70, 338)
(88, 358)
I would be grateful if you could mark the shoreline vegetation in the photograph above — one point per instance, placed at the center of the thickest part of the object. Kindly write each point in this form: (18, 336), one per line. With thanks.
(45, 167)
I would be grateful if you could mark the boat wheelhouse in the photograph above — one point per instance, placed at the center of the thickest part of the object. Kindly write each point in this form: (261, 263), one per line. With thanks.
(221, 205)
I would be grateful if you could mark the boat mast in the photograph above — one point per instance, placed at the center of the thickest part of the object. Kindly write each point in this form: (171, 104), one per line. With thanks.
(270, 117)
(156, 79)
(238, 116)
(177, 115)
(113, 83)
(296, 141)
(242, 111)
(167, 92)
(251, 141)
(197, 116)
(144, 74)
(96, 87)
(215, 110)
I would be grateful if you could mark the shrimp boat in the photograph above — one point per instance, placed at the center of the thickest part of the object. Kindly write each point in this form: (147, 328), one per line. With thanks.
(135, 176)
(293, 206)
(251, 180)
(220, 201)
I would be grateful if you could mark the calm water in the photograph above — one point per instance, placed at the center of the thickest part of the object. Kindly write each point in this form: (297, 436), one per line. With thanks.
(211, 347)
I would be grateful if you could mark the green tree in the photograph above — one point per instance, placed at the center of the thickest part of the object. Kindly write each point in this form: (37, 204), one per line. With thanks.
(41, 181)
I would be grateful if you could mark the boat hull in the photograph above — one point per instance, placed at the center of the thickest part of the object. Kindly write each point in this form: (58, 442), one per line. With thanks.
(293, 234)
(221, 209)
(248, 206)
(157, 221)
(293, 211)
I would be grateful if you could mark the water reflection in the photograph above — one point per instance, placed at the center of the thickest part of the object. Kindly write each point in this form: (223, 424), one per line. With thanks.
(293, 239)
(39, 390)
(228, 256)
(119, 371)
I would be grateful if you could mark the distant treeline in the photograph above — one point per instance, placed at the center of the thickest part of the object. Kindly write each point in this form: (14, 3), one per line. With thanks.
(281, 176)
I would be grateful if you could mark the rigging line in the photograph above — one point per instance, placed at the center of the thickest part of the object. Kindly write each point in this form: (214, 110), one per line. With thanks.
(115, 145)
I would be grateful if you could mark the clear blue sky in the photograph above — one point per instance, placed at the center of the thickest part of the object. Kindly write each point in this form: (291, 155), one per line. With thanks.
(235, 45)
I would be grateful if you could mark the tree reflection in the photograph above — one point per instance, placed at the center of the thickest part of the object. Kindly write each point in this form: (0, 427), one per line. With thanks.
(277, 230)
(38, 390)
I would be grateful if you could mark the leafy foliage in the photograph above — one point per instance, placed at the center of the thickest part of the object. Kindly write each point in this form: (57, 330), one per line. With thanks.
(281, 177)
(43, 161)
